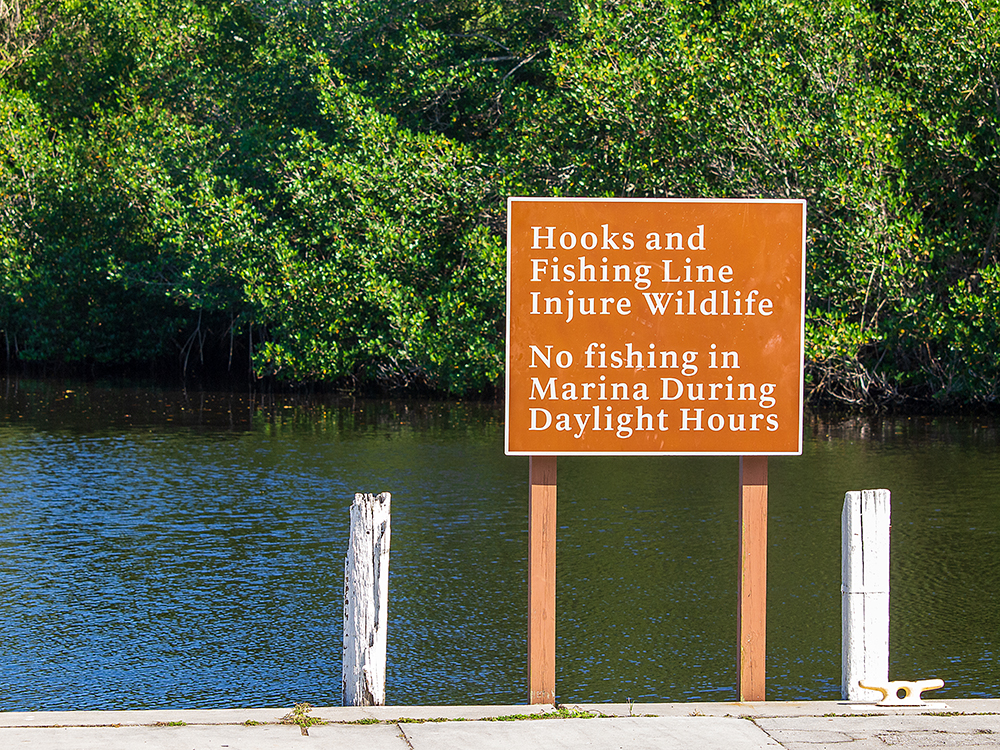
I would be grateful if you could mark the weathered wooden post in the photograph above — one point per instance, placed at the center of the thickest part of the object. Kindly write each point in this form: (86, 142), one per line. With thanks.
(865, 590)
(366, 599)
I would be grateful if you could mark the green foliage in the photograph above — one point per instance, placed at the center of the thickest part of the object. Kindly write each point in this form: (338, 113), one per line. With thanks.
(389, 271)
(319, 188)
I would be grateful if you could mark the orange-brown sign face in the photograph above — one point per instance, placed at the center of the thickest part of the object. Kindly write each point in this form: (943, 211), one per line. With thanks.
(654, 326)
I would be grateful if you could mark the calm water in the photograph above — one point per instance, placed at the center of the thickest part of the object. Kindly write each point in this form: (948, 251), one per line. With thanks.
(165, 549)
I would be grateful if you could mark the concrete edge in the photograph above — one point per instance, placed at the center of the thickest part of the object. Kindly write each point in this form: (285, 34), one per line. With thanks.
(776, 709)
(404, 714)
(257, 716)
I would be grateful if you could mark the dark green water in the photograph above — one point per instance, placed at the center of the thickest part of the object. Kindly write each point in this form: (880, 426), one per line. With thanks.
(163, 549)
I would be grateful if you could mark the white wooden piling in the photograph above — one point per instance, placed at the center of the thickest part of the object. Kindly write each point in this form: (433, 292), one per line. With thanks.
(366, 600)
(865, 591)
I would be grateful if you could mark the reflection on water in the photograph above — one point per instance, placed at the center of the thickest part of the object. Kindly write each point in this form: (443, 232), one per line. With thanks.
(163, 549)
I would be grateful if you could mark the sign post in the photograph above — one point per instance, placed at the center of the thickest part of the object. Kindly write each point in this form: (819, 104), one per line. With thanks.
(542, 580)
(653, 327)
(752, 587)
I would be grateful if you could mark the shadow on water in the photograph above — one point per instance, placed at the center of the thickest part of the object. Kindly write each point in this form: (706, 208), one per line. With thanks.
(170, 549)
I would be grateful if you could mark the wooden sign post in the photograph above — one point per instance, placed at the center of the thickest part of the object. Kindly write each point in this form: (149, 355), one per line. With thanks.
(542, 580)
(653, 327)
(752, 588)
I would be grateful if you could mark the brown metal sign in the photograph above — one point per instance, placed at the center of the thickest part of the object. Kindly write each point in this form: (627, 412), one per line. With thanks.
(654, 326)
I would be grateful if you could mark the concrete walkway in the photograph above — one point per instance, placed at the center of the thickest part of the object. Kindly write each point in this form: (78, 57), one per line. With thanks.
(818, 725)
